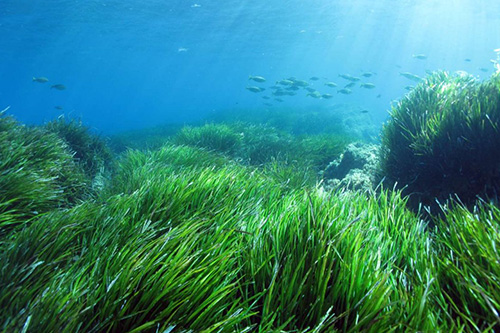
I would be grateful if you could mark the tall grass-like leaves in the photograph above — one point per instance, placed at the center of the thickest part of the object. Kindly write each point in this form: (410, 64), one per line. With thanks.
(469, 267)
(442, 139)
(89, 150)
(38, 174)
(328, 262)
(186, 240)
(215, 137)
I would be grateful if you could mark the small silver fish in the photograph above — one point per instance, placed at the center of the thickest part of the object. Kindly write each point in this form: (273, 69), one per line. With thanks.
(367, 85)
(299, 83)
(344, 91)
(255, 89)
(314, 94)
(285, 82)
(367, 74)
(411, 76)
(349, 77)
(40, 79)
(257, 78)
(419, 56)
(58, 86)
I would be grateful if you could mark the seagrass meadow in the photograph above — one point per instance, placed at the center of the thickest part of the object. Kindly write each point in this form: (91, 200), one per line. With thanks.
(226, 227)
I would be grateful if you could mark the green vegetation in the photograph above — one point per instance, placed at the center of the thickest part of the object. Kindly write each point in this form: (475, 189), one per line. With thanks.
(37, 174)
(224, 228)
(342, 119)
(90, 151)
(246, 251)
(143, 139)
(443, 140)
(215, 137)
(469, 261)
(262, 144)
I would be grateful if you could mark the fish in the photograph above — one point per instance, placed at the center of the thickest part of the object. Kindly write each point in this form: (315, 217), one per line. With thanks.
(467, 60)
(257, 78)
(314, 78)
(266, 97)
(350, 85)
(364, 111)
(331, 84)
(367, 85)
(314, 94)
(279, 100)
(310, 89)
(58, 107)
(5, 110)
(379, 95)
(349, 77)
(255, 89)
(182, 49)
(299, 83)
(344, 91)
(496, 50)
(40, 79)
(409, 88)
(411, 76)
(419, 56)
(195, 5)
(58, 86)
(367, 74)
(294, 88)
(326, 96)
(482, 69)
(285, 82)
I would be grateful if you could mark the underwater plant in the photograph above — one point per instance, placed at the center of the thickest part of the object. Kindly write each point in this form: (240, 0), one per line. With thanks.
(145, 138)
(442, 140)
(90, 150)
(37, 174)
(187, 239)
(185, 245)
(216, 137)
(468, 265)
(321, 149)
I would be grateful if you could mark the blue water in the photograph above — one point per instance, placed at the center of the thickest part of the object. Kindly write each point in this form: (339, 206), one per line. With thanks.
(131, 64)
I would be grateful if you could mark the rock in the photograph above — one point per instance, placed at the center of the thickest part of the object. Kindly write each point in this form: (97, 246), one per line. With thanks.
(355, 168)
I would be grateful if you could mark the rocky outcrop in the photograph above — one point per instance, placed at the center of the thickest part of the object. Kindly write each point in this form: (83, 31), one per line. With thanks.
(354, 169)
